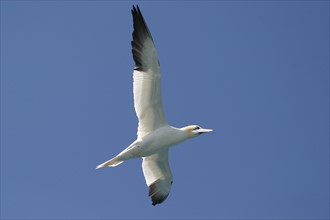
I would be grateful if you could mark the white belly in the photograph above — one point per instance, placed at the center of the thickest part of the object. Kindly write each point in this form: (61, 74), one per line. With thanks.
(160, 139)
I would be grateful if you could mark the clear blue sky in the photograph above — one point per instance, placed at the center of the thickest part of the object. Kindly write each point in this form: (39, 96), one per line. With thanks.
(257, 72)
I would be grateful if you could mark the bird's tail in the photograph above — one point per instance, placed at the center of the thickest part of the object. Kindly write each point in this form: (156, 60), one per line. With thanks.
(111, 163)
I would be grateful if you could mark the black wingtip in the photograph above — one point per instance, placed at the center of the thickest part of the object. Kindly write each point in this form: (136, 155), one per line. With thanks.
(140, 34)
(156, 196)
(136, 10)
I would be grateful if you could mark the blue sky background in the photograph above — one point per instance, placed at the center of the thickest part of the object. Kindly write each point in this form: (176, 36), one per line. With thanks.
(257, 72)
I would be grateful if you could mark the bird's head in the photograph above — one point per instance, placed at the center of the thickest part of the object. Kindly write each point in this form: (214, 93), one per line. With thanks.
(195, 130)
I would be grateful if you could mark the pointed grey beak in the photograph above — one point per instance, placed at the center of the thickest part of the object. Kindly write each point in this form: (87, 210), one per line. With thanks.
(203, 130)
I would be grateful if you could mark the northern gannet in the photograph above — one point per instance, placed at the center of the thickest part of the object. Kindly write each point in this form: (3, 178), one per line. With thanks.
(154, 136)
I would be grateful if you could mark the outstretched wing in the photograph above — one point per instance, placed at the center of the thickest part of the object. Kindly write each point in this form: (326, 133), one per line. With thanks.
(146, 75)
(158, 175)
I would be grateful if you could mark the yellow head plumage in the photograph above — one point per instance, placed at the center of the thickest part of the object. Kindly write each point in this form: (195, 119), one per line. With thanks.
(194, 130)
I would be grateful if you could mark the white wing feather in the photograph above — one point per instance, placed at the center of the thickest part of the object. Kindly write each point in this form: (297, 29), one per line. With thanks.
(148, 107)
(146, 75)
(158, 176)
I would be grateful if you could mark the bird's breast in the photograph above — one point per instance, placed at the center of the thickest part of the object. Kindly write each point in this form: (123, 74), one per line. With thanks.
(160, 139)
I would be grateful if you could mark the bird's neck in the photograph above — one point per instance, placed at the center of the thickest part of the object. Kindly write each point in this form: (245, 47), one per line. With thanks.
(180, 135)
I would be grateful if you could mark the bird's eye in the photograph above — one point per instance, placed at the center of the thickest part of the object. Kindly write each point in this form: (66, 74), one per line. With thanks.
(196, 128)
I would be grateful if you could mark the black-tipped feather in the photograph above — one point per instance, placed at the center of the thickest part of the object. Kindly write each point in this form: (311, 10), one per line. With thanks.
(140, 34)
(148, 106)
(157, 196)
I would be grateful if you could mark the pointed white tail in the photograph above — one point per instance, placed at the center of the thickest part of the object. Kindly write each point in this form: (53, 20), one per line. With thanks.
(111, 163)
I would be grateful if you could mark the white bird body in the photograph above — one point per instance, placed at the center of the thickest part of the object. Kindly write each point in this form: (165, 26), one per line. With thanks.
(159, 140)
(154, 136)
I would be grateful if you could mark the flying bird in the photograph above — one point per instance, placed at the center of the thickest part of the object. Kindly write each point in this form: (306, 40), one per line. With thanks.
(154, 135)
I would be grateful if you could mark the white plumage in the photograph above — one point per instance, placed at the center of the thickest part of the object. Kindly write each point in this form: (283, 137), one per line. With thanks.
(154, 135)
